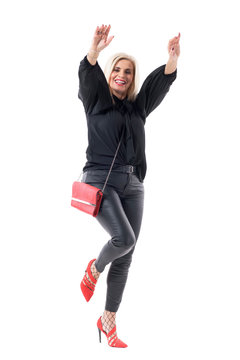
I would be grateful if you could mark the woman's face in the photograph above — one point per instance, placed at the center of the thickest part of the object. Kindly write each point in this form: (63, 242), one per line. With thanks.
(121, 78)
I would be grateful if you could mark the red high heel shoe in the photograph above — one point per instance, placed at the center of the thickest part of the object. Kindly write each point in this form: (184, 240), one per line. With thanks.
(87, 286)
(114, 341)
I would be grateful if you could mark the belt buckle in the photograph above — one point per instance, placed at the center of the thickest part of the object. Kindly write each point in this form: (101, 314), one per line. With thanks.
(131, 169)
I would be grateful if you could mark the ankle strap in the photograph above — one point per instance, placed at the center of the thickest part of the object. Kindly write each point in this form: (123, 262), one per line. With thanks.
(112, 331)
(90, 272)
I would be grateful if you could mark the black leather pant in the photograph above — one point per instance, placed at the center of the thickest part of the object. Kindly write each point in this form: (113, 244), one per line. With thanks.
(121, 216)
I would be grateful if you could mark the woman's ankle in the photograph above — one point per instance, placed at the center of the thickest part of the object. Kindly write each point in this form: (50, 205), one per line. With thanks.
(108, 320)
(94, 271)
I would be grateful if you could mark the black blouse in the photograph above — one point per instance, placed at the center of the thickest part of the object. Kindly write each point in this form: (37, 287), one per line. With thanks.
(106, 119)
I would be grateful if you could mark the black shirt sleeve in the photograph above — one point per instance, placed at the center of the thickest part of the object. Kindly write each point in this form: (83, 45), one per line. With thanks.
(93, 87)
(153, 90)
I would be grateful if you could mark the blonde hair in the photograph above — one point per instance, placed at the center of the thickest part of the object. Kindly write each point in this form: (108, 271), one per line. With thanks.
(111, 63)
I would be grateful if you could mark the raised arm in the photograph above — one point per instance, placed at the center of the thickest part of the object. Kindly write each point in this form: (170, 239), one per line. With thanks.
(93, 87)
(101, 40)
(158, 83)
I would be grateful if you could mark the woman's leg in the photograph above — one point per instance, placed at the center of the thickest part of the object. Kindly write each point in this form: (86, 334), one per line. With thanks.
(132, 203)
(121, 216)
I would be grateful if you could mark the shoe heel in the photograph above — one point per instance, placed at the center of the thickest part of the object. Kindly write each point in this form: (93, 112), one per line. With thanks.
(99, 331)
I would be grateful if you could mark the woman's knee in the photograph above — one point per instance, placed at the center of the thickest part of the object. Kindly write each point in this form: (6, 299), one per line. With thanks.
(125, 239)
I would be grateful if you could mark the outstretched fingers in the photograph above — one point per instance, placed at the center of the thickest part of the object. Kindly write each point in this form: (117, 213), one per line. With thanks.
(102, 32)
(174, 42)
(101, 37)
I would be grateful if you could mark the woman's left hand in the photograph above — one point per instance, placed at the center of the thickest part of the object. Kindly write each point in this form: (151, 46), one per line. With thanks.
(174, 47)
(174, 52)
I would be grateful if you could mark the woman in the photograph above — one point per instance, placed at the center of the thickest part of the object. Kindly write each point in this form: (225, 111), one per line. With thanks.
(113, 108)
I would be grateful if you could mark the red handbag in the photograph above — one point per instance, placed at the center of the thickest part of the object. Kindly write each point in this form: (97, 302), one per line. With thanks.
(88, 198)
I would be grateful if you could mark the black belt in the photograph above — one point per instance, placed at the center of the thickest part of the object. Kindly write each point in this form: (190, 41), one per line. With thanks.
(128, 169)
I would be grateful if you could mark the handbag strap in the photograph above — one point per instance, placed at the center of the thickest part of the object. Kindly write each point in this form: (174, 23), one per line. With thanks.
(113, 162)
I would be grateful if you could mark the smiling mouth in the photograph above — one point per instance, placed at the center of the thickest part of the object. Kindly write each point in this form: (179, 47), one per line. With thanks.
(120, 82)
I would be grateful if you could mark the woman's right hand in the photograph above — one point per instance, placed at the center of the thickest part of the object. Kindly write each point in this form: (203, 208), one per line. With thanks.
(101, 39)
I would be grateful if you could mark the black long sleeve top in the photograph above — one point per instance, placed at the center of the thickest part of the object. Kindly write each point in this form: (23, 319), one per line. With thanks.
(107, 119)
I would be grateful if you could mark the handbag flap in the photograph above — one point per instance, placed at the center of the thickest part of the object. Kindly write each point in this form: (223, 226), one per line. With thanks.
(85, 192)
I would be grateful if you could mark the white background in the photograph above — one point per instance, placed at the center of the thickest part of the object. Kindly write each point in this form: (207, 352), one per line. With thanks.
(182, 297)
